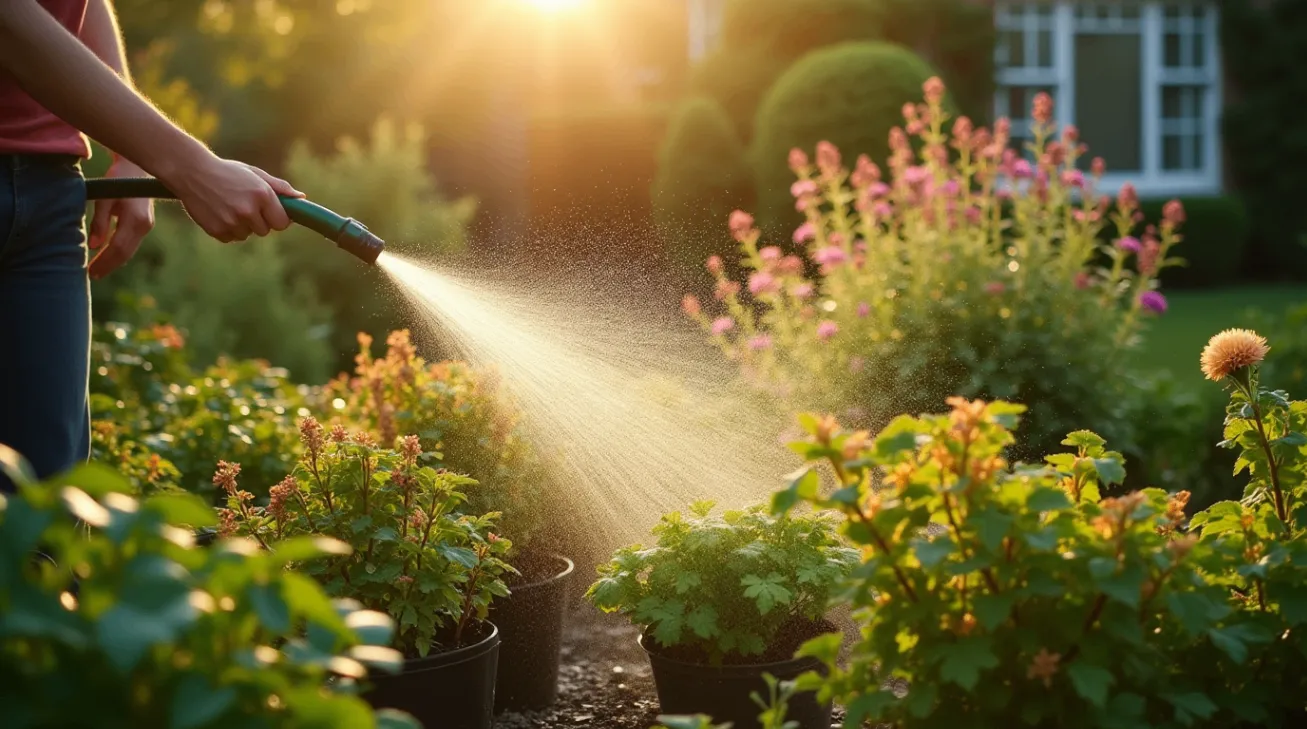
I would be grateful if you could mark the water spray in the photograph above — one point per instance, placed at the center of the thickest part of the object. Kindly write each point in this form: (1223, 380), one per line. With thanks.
(348, 233)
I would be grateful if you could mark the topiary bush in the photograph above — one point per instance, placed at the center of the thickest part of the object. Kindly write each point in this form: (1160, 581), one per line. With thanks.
(1215, 240)
(702, 176)
(850, 94)
(738, 79)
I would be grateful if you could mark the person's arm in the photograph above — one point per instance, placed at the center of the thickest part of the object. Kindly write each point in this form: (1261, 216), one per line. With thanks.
(227, 199)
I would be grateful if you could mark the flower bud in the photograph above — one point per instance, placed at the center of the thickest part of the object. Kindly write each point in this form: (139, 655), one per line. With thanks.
(723, 324)
(741, 224)
(1173, 212)
(714, 265)
(934, 89)
(1128, 199)
(828, 158)
(1042, 109)
(798, 160)
(690, 305)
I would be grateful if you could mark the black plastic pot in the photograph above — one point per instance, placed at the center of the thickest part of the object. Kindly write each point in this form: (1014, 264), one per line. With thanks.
(531, 628)
(451, 690)
(725, 692)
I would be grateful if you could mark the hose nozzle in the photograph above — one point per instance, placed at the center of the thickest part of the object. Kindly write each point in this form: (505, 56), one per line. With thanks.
(347, 233)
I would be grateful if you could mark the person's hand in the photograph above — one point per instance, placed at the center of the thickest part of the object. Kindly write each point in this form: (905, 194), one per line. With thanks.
(118, 226)
(232, 200)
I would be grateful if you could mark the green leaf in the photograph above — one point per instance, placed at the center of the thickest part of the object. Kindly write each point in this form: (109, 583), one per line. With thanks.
(1091, 682)
(766, 593)
(371, 627)
(1044, 498)
(703, 621)
(1292, 438)
(1125, 586)
(992, 610)
(1190, 706)
(461, 555)
(186, 509)
(1292, 599)
(687, 580)
(1110, 470)
(1196, 612)
(931, 552)
(1232, 645)
(271, 607)
(127, 632)
(1086, 439)
(361, 524)
(195, 703)
(303, 549)
(964, 661)
(307, 600)
(805, 485)
(825, 648)
(992, 526)
(96, 479)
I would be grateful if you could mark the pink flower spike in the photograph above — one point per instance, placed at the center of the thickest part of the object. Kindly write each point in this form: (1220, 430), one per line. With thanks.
(721, 325)
(877, 190)
(771, 254)
(1021, 169)
(741, 224)
(1073, 178)
(760, 342)
(1129, 244)
(803, 188)
(829, 256)
(762, 282)
(864, 309)
(801, 291)
(1153, 301)
(882, 210)
(805, 233)
(827, 329)
(798, 160)
(714, 265)
(690, 305)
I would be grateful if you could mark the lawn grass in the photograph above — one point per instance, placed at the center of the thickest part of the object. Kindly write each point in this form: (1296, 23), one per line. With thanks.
(1174, 340)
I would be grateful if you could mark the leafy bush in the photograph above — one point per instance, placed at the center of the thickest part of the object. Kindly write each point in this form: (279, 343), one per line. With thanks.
(792, 28)
(1040, 600)
(850, 94)
(433, 569)
(130, 625)
(235, 300)
(702, 177)
(147, 401)
(727, 589)
(738, 79)
(955, 36)
(1262, 45)
(385, 184)
(923, 288)
(1215, 240)
(462, 420)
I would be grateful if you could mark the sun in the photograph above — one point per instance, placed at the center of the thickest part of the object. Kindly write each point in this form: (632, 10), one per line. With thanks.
(554, 5)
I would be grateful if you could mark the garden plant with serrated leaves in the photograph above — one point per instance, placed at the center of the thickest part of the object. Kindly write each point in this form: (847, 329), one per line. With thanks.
(1044, 603)
(121, 622)
(725, 586)
(415, 556)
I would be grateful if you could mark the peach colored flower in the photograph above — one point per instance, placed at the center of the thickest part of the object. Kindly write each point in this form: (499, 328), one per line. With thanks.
(1232, 350)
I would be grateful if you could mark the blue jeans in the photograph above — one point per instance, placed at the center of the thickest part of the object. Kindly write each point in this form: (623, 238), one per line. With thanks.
(45, 312)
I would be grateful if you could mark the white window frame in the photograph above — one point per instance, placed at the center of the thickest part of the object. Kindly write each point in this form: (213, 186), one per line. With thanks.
(1152, 180)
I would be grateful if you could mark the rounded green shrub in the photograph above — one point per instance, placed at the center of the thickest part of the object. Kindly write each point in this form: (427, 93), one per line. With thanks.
(1215, 238)
(791, 28)
(702, 176)
(849, 94)
(738, 79)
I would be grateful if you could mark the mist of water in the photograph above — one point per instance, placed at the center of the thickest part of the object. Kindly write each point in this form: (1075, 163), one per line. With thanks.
(632, 410)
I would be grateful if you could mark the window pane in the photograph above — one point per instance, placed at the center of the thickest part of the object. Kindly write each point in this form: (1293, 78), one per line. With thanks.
(1171, 50)
(1109, 95)
(1183, 102)
(1045, 39)
(1199, 46)
(1171, 145)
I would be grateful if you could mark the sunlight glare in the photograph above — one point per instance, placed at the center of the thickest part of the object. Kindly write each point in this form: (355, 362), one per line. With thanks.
(554, 5)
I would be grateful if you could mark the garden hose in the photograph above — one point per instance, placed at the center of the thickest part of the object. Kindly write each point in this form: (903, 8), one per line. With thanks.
(348, 233)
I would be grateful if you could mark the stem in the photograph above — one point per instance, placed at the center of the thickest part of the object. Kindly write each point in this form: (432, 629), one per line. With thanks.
(1261, 595)
(884, 547)
(953, 522)
(1270, 460)
(1089, 624)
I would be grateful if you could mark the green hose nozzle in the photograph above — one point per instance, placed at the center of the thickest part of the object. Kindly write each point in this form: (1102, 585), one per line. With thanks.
(348, 233)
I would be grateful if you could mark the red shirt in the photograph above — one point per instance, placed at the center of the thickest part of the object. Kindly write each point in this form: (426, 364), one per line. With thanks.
(26, 127)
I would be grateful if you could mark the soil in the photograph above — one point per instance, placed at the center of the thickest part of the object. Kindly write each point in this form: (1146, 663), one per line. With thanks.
(604, 682)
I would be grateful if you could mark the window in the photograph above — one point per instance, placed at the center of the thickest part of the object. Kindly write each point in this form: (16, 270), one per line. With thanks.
(1140, 79)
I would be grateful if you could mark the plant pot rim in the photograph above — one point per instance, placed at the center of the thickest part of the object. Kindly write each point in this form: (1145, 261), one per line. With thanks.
(433, 661)
(731, 669)
(568, 568)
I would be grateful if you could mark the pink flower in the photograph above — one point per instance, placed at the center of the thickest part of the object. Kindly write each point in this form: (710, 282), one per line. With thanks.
(1097, 167)
(827, 329)
(1042, 110)
(1073, 178)
(882, 210)
(864, 309)
(726, 289)
(805, 233)
(1021, 169)
(950, 188)
(760, 342)
(1148, 255)
(995, 288)
(690, 305)
(829, 256)
(877, 190)
(790, 265)
(803, 188)
(762, 282)
(916, 175)
(828, 158)
(741, 224)
(1173, 212)
(1129, 198)
(771, 254)
(714, 265)
(1129, 244)
(801, 291)
(934, 89)
(865, 173)
(798, 160)
(723, 324)
(1153, 301)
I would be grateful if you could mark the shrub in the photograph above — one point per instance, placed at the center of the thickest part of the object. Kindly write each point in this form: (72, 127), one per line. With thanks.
(385, 184)
(130, 625)
(850, 95)
(1042, 601)
(146, 401)
(738, 79)
(461, 418)
(921, 288)
(239, 300)
(1215, 240)
(957, 37)
(1261, 43)
(727, 589)
(413, 554)
(702, 177)
(791, 28)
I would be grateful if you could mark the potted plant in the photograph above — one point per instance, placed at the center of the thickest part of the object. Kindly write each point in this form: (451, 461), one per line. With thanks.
(724, 600)
(460, 414)
(415, 556)
(123, 622)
